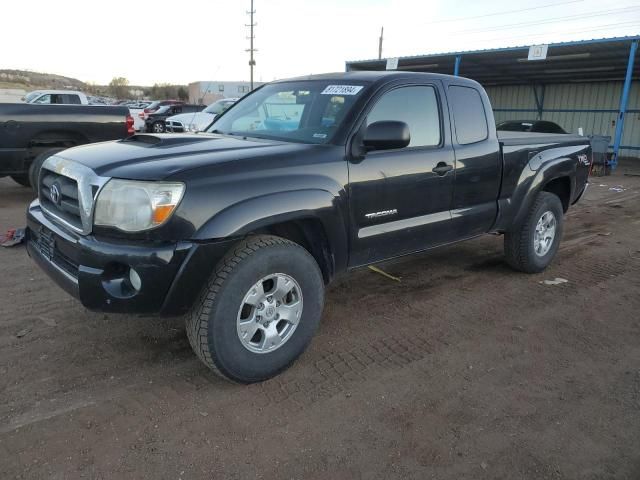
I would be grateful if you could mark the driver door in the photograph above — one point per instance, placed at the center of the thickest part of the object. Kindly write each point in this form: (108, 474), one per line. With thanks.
(400, 200)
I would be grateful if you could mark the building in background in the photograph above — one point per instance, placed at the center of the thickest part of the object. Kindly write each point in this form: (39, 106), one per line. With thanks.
(588, 85)
(206, 93)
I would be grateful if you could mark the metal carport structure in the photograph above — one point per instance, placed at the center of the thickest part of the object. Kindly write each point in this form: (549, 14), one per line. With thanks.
(591, 64)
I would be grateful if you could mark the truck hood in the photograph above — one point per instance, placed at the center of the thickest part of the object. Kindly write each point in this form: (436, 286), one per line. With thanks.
(156, 157)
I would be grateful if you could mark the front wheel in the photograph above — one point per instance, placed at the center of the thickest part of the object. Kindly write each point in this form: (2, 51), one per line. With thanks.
(531, 247)
(259, 310)
(158, 127)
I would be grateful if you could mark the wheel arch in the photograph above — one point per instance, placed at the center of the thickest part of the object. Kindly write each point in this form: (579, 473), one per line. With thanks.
(56, 139)
(561, 187)
(554, 176)
(312, 218)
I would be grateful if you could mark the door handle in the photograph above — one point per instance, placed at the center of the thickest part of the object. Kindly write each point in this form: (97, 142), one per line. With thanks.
(442, 168)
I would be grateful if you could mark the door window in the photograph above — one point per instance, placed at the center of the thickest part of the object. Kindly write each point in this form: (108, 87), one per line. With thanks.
(44, 99)
(417, 107)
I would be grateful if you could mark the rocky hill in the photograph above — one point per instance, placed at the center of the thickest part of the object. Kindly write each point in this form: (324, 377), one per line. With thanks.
(33, 80)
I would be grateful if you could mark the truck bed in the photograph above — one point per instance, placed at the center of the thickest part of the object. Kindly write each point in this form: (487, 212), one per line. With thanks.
(518, 148)
(532, 138)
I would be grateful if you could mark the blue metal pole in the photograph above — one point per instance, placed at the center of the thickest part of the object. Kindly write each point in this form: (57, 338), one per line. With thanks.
(456, 68)
(624, 100)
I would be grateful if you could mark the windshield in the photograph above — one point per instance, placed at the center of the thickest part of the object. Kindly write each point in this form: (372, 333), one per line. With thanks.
(307, 112)
(217, 108)
(515, 126)
(31, 96)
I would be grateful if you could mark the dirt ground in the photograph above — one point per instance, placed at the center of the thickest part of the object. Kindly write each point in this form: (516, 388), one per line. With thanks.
(463, 370)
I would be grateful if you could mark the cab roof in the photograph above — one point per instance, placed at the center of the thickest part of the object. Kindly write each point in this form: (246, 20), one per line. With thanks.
(380, 77)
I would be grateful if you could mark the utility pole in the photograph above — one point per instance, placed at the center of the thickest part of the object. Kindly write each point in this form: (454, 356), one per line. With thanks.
(251, 50)
(380, 43)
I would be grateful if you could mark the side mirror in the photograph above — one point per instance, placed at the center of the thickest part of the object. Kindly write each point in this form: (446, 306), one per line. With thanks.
(386, 135)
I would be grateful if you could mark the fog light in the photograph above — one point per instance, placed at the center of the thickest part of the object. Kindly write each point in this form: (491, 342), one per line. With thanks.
(134, 278)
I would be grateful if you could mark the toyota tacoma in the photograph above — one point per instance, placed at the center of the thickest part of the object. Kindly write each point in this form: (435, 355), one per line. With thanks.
(241, 227)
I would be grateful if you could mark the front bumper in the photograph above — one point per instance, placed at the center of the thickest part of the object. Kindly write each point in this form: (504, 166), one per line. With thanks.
(95, 271)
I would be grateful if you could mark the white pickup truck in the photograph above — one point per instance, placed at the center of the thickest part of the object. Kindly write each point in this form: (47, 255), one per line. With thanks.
(59, 97)
(199, 121)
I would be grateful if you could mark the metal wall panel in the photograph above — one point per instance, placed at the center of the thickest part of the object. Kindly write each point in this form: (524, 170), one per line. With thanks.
(570, 97)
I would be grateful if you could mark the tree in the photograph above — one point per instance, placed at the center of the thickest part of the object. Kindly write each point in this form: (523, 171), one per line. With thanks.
(119, 87)
(163, 91)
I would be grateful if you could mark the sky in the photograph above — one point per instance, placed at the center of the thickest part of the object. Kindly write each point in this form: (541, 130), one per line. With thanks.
(193, 40)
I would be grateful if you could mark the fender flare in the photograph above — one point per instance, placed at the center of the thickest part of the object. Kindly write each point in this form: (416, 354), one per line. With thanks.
(535, 175)
(239, 219)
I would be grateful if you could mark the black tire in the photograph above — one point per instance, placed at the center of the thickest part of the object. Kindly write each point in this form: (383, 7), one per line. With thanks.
(36, 165)
(158, 127)
(211, 324)
(22, 179)
(519, 244)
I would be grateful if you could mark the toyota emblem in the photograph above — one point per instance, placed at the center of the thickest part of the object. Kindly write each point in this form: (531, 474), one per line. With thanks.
(55, 194)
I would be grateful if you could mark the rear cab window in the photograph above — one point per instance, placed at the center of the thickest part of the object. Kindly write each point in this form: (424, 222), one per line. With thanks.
(469, 116)
(71, 99)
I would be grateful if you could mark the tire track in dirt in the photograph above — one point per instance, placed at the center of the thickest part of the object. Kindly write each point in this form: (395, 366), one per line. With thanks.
(335, 366)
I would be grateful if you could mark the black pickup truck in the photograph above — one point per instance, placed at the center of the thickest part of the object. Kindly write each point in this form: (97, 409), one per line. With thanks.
(30, 133)
(241, 228)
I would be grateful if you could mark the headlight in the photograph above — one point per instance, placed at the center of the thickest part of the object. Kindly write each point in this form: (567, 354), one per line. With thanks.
(134, 206)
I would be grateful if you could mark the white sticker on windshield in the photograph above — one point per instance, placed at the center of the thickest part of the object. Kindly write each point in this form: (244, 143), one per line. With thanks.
(342, 90)
(319, 135)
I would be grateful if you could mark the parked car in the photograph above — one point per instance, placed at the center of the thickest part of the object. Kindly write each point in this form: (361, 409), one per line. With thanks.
(154, 122)
(539, 126)
(243, 226)
(198, 121)
(59, 97)
(32, 132)
(155, 105)
(137, 108)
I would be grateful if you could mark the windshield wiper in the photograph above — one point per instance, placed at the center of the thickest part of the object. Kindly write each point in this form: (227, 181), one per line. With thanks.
(220, 132)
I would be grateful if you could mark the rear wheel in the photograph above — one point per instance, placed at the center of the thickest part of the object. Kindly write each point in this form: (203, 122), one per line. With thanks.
(22, 179)
(531, 247)
(36, 165)
(259, 310)
(158, 127)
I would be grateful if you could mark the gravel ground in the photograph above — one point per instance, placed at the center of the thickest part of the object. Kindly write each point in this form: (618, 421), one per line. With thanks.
(464, 369)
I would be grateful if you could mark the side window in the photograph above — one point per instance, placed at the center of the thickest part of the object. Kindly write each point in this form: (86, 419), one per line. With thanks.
(71, 99)
(44, 99)
(417, 107)
(468, 114)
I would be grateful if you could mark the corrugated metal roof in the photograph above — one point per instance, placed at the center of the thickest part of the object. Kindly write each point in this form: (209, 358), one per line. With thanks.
(584, 60)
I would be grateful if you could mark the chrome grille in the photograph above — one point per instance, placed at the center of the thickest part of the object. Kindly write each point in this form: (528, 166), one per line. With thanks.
(67, 191)
(59, 195)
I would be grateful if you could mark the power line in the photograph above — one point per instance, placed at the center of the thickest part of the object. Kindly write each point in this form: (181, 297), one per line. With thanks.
(552, 20)
(504, 13)
(601, 27)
